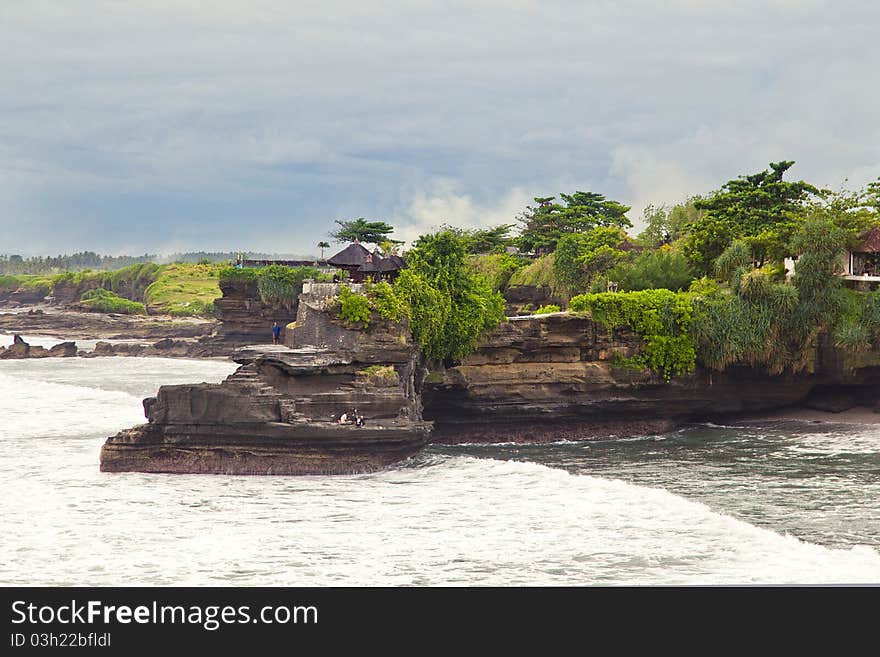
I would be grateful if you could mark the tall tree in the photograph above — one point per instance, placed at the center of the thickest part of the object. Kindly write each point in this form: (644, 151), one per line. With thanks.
(451, 306)
(664, 225)
(547, 222)
(762, 209)
(361, 230)
(580, 257)
(323, 245)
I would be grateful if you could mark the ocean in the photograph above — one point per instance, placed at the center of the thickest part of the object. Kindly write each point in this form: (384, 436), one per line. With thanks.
(750, 503)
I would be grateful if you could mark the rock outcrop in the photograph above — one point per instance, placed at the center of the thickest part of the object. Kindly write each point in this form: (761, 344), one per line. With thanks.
(554, 377)
(244, 318)
(280, 412)
(524, 298)
(20, 349)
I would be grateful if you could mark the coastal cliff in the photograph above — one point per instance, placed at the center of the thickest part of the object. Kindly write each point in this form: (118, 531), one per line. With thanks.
(557, 377)
(279, 412)
(244, 318)
(540, 378)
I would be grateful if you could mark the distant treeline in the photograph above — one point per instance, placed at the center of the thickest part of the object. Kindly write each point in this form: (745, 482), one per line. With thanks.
(16, 264)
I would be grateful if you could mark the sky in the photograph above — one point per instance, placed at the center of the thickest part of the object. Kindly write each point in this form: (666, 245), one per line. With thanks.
(173, 125)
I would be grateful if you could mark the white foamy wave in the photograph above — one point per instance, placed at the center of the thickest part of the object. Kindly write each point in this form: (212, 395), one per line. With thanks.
(41, 409)
(438, 520)
(7, 339)
(851, 439)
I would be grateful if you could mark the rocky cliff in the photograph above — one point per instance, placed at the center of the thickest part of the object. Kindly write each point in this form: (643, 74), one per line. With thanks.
(555, 377)
(244, 318)
(280, 412)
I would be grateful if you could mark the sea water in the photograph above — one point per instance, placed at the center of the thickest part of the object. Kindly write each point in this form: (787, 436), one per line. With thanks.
(740, 504)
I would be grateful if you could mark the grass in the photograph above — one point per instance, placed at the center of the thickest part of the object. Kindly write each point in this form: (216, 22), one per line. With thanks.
(27, 281)
(539, 273)
(105, 301)
(383, 373)
(184, 290)
(180, 290)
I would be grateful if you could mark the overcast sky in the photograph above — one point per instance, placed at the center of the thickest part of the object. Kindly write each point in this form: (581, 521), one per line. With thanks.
(168, 125)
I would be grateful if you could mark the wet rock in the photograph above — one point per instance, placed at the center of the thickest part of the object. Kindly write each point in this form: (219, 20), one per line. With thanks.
(63, 350)
(18, 349)
(103, 349)
(38, 352)
(830, 400)
(279, 412)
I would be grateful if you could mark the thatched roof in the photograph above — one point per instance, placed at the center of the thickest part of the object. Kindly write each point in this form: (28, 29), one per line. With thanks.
(870, 242)
(354, 255)
(382, 265)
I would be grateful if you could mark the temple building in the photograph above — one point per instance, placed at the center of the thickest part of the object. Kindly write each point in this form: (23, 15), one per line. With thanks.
(361, 265)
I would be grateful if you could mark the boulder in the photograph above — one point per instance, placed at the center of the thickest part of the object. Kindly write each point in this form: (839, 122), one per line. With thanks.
(103, 349)
(63, 350)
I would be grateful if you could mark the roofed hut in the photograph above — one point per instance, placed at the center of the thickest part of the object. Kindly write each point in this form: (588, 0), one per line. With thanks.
(350, 259)
(361, 265)
(863, 261)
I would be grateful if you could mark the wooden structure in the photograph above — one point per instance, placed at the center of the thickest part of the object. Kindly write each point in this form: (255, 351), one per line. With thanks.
(361, 265)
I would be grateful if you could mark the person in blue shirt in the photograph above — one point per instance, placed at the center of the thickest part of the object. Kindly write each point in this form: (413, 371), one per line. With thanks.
(276, 333)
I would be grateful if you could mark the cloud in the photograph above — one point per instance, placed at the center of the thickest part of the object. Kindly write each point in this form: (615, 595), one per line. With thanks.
(256, 125)
(444, 203)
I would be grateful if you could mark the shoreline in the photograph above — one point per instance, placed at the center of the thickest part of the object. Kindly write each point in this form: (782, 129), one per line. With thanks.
(863, 415)
(51, 321)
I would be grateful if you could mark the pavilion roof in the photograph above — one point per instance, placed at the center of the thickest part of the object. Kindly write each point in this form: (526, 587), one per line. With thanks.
(870, 242)
(354, 255)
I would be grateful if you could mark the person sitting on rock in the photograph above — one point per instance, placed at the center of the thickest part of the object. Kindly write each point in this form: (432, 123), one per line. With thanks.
(276, 333)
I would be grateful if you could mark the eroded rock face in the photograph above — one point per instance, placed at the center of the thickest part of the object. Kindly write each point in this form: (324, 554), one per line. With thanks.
(278, 413)
(244, 318)
(550, 378)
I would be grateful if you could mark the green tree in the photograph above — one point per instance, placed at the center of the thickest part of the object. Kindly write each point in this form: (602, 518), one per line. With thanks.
(450, 306)
(873, 193)
(361, 230)
(665, 225)
(488, 240)
(580, 257)
(762, 209)
(323, 245)
(547, 222)
(852, 212)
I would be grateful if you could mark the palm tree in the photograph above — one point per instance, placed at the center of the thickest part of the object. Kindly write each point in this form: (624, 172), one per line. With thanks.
(322, 246)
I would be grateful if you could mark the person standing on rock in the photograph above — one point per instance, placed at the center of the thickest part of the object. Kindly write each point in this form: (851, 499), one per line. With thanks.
(276, 333)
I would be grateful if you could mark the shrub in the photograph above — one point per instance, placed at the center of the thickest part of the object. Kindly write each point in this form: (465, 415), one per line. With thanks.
(538, 274)
(652, 270)
(379, 373)
(496, 268)
(275, 285)
(354, 308)
(230, 274)
(663, 319)
(545, 310)
(105, 301)
(386, 303)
